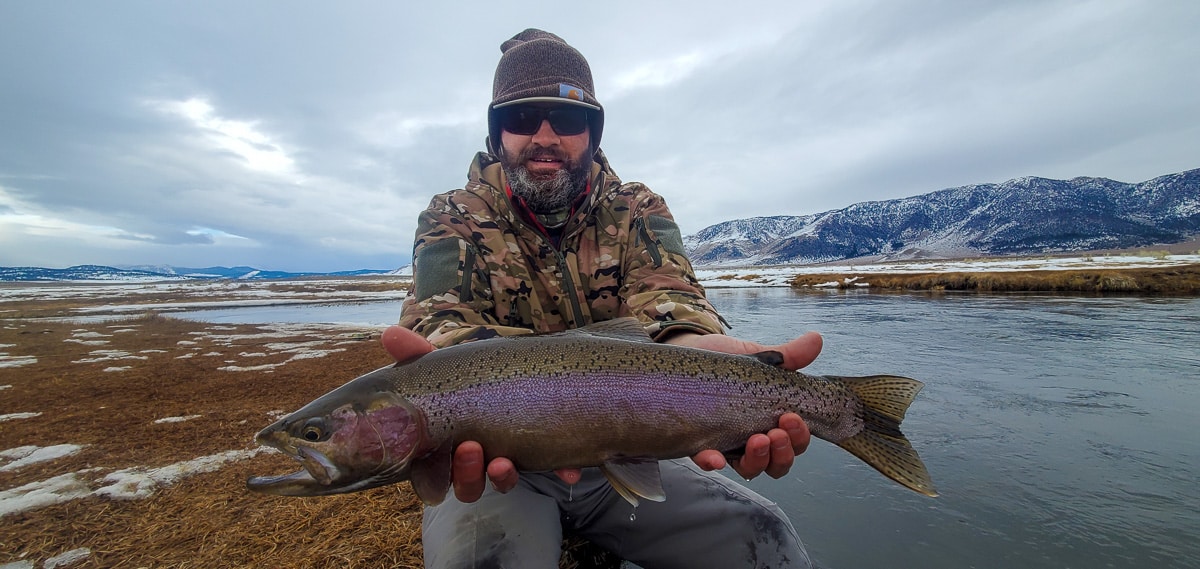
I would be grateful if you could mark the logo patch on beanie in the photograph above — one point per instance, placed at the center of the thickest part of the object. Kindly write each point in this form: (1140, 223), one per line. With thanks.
(570, 92)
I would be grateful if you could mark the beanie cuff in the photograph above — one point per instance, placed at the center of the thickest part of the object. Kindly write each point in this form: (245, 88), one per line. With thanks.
(560, 100)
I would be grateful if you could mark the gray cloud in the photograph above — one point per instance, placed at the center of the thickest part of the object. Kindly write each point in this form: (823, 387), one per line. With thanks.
(309, 137)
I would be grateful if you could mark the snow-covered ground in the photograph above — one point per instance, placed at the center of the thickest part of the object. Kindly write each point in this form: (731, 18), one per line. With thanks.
(194, 295)
(782, 275)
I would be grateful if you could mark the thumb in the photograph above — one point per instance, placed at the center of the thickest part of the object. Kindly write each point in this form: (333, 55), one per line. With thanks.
(404, 344)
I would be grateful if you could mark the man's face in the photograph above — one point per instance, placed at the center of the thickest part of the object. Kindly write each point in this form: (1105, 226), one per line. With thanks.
(547, 169)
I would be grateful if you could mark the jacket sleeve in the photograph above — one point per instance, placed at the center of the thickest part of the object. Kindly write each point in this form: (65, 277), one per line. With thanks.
(444, 304)
(659, 285)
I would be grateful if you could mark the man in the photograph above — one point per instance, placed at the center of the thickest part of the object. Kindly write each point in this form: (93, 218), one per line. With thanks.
(543, 238)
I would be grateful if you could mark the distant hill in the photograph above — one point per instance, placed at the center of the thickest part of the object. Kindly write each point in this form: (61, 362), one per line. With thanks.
(163, 273)
(1021, 216)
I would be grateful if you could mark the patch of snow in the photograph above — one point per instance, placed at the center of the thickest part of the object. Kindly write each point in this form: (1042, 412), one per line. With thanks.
(12, 416)
(87, 342)
(26, 455)
(88, 334)
(118, 368)
(130, 483)
(141, 482)
(109, 355)
(185, 356)
(250, 368)
(176, 419)
(16, 361)
(3, 387)
(17, 565)
(44, 493)
(67, 558)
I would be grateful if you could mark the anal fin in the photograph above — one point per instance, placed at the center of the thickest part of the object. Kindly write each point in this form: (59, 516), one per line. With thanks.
(635, 478)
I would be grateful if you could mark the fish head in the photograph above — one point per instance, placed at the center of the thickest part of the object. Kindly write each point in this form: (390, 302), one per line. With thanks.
(344, 444)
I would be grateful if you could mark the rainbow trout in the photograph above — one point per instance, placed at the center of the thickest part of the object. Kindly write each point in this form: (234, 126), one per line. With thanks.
(604, 395)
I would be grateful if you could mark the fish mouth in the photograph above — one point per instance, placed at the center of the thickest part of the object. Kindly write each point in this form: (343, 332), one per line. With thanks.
(317, 478)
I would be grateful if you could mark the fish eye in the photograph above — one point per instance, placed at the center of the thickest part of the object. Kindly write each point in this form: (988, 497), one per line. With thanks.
(314, 429)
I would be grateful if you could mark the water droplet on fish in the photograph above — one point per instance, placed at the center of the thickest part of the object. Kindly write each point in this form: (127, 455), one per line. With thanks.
(633, 516)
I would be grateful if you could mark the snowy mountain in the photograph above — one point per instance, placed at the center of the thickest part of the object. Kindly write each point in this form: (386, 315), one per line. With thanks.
(1021, 216)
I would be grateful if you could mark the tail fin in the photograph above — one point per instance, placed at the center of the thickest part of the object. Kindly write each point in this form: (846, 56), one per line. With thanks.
(881, 444)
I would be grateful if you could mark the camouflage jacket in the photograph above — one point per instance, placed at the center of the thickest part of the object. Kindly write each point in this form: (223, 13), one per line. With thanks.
(481, 269)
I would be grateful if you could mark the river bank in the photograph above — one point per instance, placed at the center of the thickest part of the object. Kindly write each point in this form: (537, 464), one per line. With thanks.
(1181, 280)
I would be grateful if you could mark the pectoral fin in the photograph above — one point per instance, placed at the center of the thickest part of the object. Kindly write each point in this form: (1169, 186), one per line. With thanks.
(635, 478)
(430, 475)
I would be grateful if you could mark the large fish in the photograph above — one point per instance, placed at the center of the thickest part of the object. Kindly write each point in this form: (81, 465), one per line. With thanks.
(603, 395)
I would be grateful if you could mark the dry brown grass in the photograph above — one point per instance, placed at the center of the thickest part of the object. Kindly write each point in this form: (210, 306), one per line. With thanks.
(1182, 280)
(208, 520)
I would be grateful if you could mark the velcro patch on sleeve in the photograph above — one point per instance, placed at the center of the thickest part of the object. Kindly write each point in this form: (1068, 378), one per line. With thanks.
(436, 267)
(667, 233)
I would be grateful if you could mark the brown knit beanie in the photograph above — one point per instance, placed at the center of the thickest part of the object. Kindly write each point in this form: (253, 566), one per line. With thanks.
(538, 66)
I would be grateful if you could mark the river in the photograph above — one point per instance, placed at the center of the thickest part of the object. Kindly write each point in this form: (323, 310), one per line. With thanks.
(1061, 431)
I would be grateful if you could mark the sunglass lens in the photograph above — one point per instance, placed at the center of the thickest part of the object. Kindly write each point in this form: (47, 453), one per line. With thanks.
(527, 120)
(519, 120)
(568, 122)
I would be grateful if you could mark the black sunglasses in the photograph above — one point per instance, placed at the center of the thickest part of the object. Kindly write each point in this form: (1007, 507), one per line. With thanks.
(526, 120)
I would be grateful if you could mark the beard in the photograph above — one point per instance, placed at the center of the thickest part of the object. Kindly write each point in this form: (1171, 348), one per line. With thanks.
(546, 193)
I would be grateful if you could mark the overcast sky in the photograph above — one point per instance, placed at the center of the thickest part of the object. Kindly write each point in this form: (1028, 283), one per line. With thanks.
(307, 136)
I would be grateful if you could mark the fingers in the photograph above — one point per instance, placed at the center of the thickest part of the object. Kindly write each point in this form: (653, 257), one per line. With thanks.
(709, 460)
(466, 472)
(801, 351)
(503, 474)
(796, 354)
(404, 344)
(775, 452)
(756, 458)
(569, 475)
(797, 432)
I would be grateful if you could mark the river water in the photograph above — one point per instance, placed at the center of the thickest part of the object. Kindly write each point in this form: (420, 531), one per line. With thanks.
(1061, 431)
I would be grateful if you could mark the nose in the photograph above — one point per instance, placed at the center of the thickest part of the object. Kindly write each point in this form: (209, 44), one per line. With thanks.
(545, 135)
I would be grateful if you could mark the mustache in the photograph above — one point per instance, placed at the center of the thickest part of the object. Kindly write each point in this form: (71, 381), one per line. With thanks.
(534, 152)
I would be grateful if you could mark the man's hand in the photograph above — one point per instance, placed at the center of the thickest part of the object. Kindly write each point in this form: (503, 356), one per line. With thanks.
(775, 451)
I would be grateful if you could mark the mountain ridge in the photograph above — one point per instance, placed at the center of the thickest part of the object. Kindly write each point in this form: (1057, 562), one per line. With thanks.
(1028, 215)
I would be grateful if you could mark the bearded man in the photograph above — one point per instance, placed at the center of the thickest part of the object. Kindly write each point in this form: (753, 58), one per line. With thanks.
(545, 237)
